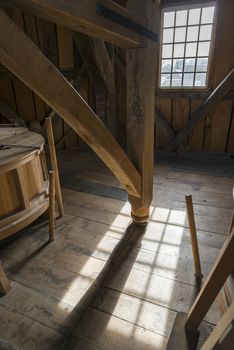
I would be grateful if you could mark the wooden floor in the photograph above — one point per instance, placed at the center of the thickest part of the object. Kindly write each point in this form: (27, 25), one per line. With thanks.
(133, 281)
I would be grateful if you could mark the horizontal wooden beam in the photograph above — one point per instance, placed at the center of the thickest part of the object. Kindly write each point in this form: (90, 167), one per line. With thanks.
(192, 95)
(21, 56)
(81, 16)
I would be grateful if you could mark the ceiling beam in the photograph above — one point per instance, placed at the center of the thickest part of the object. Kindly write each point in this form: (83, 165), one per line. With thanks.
(22, 57)
(81, 16)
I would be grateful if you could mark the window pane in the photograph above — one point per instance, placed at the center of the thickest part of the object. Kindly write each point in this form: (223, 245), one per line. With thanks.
(194, 16)
(203, 49)
(200, 79)
(207, 15)
(165, 80)
(192, 33)
(169, 19)
(167, 51)
(181, 18)
(178, 50)
(168, 35)
(188, 79)
(180, 34)
(202, 64)
(176, 79)
(205, 32)
(186, 39)
(189, 65)
(166, 66)
(191, 50)
(178, 65)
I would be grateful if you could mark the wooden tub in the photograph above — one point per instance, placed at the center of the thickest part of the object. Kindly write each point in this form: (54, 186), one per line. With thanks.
(24, 183)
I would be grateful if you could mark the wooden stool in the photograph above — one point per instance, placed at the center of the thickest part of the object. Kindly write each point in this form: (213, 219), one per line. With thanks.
(4, 282)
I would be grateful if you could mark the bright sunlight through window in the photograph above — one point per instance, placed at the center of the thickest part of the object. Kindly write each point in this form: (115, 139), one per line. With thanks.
(186, 45)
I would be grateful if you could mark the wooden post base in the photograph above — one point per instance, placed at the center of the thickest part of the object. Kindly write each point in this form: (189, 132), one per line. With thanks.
(140, 216)
(181, 338)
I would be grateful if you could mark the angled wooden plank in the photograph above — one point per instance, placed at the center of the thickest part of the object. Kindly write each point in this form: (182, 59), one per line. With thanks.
(103, 62)
(83, 44)
(9, 114)
(81, 16)
(16, 51)
(222, 268)
(163, 124)
(208, 106)
(223, 335)
(106, 69)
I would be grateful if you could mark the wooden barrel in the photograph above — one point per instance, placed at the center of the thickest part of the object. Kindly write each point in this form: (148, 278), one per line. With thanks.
(24, 183)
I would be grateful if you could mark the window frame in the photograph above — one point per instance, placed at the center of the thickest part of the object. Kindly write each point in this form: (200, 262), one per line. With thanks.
(187, 6)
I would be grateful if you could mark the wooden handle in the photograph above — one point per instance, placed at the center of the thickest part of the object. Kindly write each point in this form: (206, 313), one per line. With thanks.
(54, 164)
(51, 205)
(4, 282)
(193, 235)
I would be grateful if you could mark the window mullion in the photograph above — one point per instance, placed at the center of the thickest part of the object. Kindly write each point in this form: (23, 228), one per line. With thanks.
(198, 37)
(173, 48)
(185, 45)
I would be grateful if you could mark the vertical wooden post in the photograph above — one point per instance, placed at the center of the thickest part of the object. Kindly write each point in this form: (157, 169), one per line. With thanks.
(51, 205)
(54, 164)
(141, 83)
(193, 235)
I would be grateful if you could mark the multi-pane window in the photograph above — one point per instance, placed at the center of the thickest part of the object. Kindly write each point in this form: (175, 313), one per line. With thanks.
(185, 46)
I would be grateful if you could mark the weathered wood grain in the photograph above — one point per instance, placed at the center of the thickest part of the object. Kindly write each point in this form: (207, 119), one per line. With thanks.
(43, 77)
(82, 17)
(106, 332)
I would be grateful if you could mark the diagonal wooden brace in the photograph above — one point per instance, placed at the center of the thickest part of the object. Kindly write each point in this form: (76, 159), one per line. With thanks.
(22, 57)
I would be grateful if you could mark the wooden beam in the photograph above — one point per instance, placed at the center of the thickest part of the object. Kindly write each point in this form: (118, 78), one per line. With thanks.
(165, 127)
(141, 78)
(222, 336)
(81, 16)
(104, 63)
(65, 48)
(207, 107)
(21, 56)
(222, 268)
(10, 115)
(106, 69)
(83, 44)
(101, 72)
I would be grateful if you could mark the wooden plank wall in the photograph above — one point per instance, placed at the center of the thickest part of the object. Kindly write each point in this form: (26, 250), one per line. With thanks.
(57, 43)
(216, 133)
